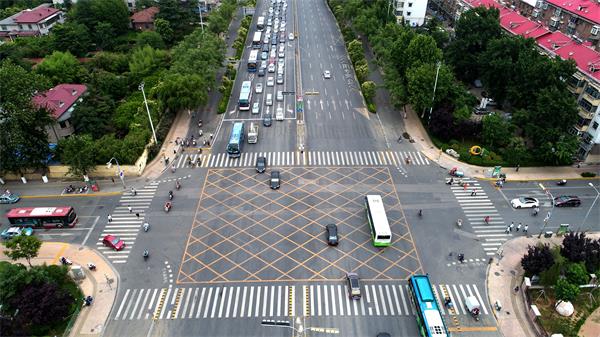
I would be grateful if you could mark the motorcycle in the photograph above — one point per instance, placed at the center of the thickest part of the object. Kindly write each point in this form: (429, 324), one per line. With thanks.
(65, 262)
(177, 185)
(167, 206)
(69, 189)
(561, 182)
(91, 266)
(459, 223)
(145, 254)
(170, 195)
(172, 169)
(82, 189)
(146, 226)
(88, 300)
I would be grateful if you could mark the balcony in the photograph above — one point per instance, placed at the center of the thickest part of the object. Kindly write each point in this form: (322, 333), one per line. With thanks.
(594, 101)
(581, 129)
(585, 114)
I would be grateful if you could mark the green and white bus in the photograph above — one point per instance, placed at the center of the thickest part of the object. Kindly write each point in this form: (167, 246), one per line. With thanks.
(381, 235)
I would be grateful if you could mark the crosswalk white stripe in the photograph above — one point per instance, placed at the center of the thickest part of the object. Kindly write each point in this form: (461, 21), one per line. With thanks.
(242, 305)
(458, 299)
(385, 312)
(394, 291)
(193, 306)
(312, 300)
(256, 307)
(122, 304)
(151, 302)
(207, 305)
(368, 300)
(264, 302)
(218, 293)
(362, 305)
(162, 312)
(187, 301)
(438, 298)
(279, 301)
(235, 305)
(351, 157)
(340, 299)
(375, 300)
(338, 161)
(271, 306)
(310, 155)
(387, 292)
(249, 301)
(333, 305)
(451, 295)
(483, 306)
(139, 316)
(347, 299)
(326, 298)
(229, 302)
(403, 298)
(319, 299)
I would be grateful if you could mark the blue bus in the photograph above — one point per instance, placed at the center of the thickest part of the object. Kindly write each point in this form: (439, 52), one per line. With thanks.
(245, 96)
(236, 140)
(429, 317)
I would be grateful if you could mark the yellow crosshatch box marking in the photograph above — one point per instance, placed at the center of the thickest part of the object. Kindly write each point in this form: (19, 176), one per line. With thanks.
(245, 232)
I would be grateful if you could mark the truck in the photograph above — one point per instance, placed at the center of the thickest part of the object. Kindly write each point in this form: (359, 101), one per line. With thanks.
(253, 133)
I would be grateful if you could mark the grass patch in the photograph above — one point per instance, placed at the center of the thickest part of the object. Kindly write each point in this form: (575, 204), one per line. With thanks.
(554, 323)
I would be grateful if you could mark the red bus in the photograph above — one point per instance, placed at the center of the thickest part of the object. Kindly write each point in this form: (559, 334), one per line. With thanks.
(42, 217)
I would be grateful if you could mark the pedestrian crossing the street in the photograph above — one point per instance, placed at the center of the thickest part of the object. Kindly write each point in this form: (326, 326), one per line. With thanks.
(477, 206)
(307, 158)
(125, 224)
(279, 301)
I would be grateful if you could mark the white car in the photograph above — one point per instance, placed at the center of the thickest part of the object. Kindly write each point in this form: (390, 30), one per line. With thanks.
(279, 79)
(279, 114)
(279, 97)
(281, 54)
(271, 68)
(255, 108)
(270, 81)
(327, 74)
(525, 202)
(259, 88)
(291, 37)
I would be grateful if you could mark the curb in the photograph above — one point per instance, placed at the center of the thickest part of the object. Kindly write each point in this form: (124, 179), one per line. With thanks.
(47, 196)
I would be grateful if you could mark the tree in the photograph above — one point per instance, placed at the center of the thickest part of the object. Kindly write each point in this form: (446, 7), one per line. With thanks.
(146, 61)
(164, 31)
(199, 54)
(23, 247)
(9, 11)
(355, 51)
(78, 153)
(496, 130)
(362, 72)
(474, 30)
(573, 246)
(104, 35)
(112, 62)
(177, 15)
(538, 259)
(179, 92)
(576, 274)
(92, 12)
(23, 129)
(565, 291)
(421, 81)
(515, 151)
(368, 89)
(71, 37)
(150, 38)
(217, 24)
(93, 115)
(61, 68)
(51, 304)
(109, 84)
(423, 49)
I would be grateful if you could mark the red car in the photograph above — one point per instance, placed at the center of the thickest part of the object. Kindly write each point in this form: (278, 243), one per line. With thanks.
(113, 242)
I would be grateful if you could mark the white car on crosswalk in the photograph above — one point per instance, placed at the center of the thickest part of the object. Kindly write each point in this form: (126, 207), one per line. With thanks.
(525, 202)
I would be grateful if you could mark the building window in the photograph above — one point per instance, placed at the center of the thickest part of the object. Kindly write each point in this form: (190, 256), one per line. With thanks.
(63, 124)
(595, 125)
(587, 106)
(408, 13)
(410, 4)
(570, 30)
(594, 30)
(592, 91)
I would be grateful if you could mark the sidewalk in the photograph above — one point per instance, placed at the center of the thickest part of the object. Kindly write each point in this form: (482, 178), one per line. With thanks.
(505, 274)
(101, 284)
(394, 127)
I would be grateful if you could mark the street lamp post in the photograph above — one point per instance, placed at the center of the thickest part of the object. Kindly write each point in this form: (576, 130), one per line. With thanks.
(200, 13)
(437, 73)
(121, 173)
(549, 215)
(592, 206)
(141, 87)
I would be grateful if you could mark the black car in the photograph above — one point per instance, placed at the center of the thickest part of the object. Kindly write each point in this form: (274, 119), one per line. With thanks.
(567, 201)
(353, 286)
(332, 234)
(261, 164)
(267, 120)
(275, 181)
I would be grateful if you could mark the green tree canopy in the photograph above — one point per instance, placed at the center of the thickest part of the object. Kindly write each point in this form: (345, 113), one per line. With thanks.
(23, 129)
(23, 247)
(146, 61)
(179, 92)
(71, 37)
(164, 31)
(566, 291)
(92, 12)
(421, 81)
(577, 274)
(368, 89)
(93, 115)
(423, 49)
(150, 38)
(496, 130)
(62, 68)
(112, 62)
(178, 16)
(78, 153)
(198, 54)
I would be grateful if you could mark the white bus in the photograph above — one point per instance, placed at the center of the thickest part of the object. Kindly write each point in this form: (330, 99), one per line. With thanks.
(381, 235)
(260, 24)
(256, 41)
(253, 61)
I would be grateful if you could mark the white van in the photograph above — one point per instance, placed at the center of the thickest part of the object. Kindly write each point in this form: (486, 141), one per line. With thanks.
(269, 99)
(279, 114)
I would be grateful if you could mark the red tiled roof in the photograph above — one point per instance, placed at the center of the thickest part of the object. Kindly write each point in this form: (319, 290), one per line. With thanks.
(35, 15)
(519, 25)
(587, 59)
(60, 98)
(145, 16)
(588, 9)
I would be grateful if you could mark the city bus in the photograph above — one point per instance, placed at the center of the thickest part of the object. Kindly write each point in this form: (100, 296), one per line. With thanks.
(245, 96)
(381, 235)
(253, 61)
(42, 217)
(236, 140)
(429, 317)
(257, 40)
(260, 23)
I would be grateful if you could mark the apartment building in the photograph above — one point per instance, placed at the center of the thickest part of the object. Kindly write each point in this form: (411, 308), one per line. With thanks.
(411, 12)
